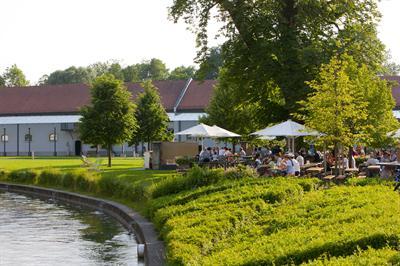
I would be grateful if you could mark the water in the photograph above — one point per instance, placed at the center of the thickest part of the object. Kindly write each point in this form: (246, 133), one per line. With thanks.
(36, 232)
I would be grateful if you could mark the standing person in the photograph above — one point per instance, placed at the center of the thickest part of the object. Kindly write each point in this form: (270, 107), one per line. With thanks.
(300, 159)
(242, 152)
(296, 166)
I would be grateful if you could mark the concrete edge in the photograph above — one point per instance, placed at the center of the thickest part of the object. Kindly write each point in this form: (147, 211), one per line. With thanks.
(131, 220)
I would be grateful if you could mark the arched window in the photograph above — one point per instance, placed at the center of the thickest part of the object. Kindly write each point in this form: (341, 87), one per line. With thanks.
(53, 137)
(4, 138)
(28, 137)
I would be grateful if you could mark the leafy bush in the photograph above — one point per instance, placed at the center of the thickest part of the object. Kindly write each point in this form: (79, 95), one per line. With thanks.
(185, 160)
(240, 172)
(22, 176)
(50, 177)
(279, 221)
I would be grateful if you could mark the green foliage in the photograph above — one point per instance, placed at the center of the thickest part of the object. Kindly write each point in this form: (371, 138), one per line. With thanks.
(350, 104)
(151, 116)
(69, 75)
(182, 72)
(154, 69)
(109, 119)
(283, 42)
(50, 177)
(13, 77)
(185, 160)
(198, 177)
(229, 112)
(22, 176)
(210, 66)
(278, 222)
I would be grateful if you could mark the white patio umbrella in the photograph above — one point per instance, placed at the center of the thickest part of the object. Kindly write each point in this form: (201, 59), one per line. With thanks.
(288, 129)
(223, 133)
(205, 131)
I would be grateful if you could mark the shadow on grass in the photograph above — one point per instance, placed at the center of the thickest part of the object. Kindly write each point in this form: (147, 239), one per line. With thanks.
(376, 241)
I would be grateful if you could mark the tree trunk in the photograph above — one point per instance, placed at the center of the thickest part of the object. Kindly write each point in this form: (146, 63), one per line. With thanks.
(336, 159)
(109, 155)
(350, 156)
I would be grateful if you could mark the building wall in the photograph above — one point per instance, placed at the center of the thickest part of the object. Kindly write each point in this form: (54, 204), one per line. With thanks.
(40, 144)
(65, 145)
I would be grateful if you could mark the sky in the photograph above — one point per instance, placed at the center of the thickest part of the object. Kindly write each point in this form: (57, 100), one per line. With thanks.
(42, 36)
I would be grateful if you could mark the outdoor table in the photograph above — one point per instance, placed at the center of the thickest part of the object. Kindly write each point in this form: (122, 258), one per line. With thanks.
(373, 169)
(314, 170)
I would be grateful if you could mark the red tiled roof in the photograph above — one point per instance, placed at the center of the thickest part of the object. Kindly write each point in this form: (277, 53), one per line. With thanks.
(198, 95)
(68, 98)
(395, 89)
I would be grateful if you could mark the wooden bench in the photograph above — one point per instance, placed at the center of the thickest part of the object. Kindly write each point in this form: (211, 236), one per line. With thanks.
(328, 177)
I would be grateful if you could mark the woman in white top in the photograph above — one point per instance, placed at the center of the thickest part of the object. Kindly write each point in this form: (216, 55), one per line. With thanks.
(290, 170)
(300, 160)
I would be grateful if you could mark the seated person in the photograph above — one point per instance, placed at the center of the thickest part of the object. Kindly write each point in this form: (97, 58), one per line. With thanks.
(372, 160)
(242, 152)
(205, 155)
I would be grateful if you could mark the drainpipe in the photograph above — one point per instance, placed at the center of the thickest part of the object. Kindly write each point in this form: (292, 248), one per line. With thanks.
(55, 142)
(29, 142)
(4, 142)
(17, 139)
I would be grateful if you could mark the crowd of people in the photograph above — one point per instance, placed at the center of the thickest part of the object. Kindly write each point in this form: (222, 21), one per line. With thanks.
(216, 153)
(274, 162)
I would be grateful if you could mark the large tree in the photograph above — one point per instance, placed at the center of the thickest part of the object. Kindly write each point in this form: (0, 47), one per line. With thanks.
(350, 105)
(14, 77)
(182, 72)
(151, 116)
(210, 66)
(70, 75)
(282, 43)
(227, 111)
(109, 119)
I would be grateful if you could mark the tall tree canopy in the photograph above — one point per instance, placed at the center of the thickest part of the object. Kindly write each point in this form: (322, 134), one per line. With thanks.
(13, 77)
(151, 116)
(154, 69)
(282, 43)
(350, 104)
(227, 111)
(210, 66)
(182, 72)
(69, 75)
(109, 119)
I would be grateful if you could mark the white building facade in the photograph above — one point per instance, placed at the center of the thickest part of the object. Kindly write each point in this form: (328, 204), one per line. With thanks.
(53, 130)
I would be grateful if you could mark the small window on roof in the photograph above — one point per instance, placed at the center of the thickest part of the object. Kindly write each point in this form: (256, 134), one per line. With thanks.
(53, 137)
(4, 138)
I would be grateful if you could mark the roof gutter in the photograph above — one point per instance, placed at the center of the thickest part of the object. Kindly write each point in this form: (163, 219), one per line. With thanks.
(183, 92)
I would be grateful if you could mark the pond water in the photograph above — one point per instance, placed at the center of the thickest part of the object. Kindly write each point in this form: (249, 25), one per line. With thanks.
(37, 232)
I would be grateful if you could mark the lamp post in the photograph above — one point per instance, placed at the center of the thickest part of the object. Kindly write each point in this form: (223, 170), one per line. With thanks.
(55, 142)
(4, 142)
(29, 142)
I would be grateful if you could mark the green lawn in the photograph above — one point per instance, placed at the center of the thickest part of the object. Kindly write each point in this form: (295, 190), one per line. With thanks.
(126, 169)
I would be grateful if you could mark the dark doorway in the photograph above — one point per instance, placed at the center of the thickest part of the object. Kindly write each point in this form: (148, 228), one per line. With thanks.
(78, 148)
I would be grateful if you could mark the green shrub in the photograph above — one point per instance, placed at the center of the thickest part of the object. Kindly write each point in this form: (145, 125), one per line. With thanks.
(196, 177)
(185, 160)
(50, 177)
(22, 176)
(68, 180)
(240, 172)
